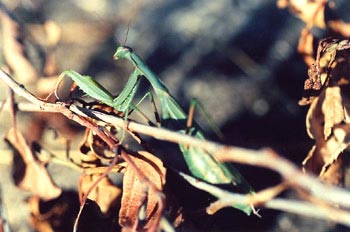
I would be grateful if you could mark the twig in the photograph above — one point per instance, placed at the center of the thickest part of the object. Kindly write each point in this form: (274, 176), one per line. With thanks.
(51, 107)
(227, 199)
(263, 158)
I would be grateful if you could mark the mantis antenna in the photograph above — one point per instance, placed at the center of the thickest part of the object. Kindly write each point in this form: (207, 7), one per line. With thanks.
(127, 33)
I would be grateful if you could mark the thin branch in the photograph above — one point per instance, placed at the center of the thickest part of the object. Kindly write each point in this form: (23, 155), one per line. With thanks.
(263, 158)
(227, 199)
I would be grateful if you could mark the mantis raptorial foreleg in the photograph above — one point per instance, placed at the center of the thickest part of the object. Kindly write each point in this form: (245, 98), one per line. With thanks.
(197, 104)
(95, 90)
(88, 85)
(156, 115)
(92, 88)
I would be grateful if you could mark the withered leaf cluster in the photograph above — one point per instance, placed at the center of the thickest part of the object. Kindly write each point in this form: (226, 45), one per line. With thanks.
(326, 89)
(327, 121)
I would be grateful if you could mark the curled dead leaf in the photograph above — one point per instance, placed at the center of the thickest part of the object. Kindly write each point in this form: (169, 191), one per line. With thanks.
(105, 194)
(135, 191)
(36, 178)
(14, 50)
(334, 174)
(315, 120)
(339, 27)
(332, 109)
(327, 120)
(306, 46)
(55, 215)
(325, 152)
(94, 149)
(308, 11)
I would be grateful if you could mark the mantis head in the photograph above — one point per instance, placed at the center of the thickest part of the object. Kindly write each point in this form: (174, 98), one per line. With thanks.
(122, 52)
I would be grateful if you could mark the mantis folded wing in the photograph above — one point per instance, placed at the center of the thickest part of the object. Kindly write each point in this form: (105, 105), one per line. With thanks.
(95, 90)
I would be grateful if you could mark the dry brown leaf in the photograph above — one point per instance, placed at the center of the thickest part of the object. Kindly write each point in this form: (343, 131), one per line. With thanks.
(305, 10)
(36, 179)
(134, 190)
(40, 221)
(334, 174)
(105, 194)
(55, 215)
(337, 143)
(306, 47)
(319, 71)
(88, 159)
(14, 50)
(327, 119)
(94, 148)
(325, 152)
(339, 27)
(315, 120)
(310, 163)
(332, 109)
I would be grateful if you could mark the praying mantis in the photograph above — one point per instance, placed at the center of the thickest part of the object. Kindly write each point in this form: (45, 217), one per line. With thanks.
(200, 163)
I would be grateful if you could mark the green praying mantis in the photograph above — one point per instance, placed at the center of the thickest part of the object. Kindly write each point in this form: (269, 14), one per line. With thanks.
(200, 163)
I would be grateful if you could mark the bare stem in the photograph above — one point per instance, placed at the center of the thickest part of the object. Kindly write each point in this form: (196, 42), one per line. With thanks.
(266, 158)
(265, 199)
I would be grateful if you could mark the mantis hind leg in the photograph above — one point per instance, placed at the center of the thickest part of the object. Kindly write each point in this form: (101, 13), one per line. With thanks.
(197, 104)
(58, 84)
(56, 87)
(135, 107)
